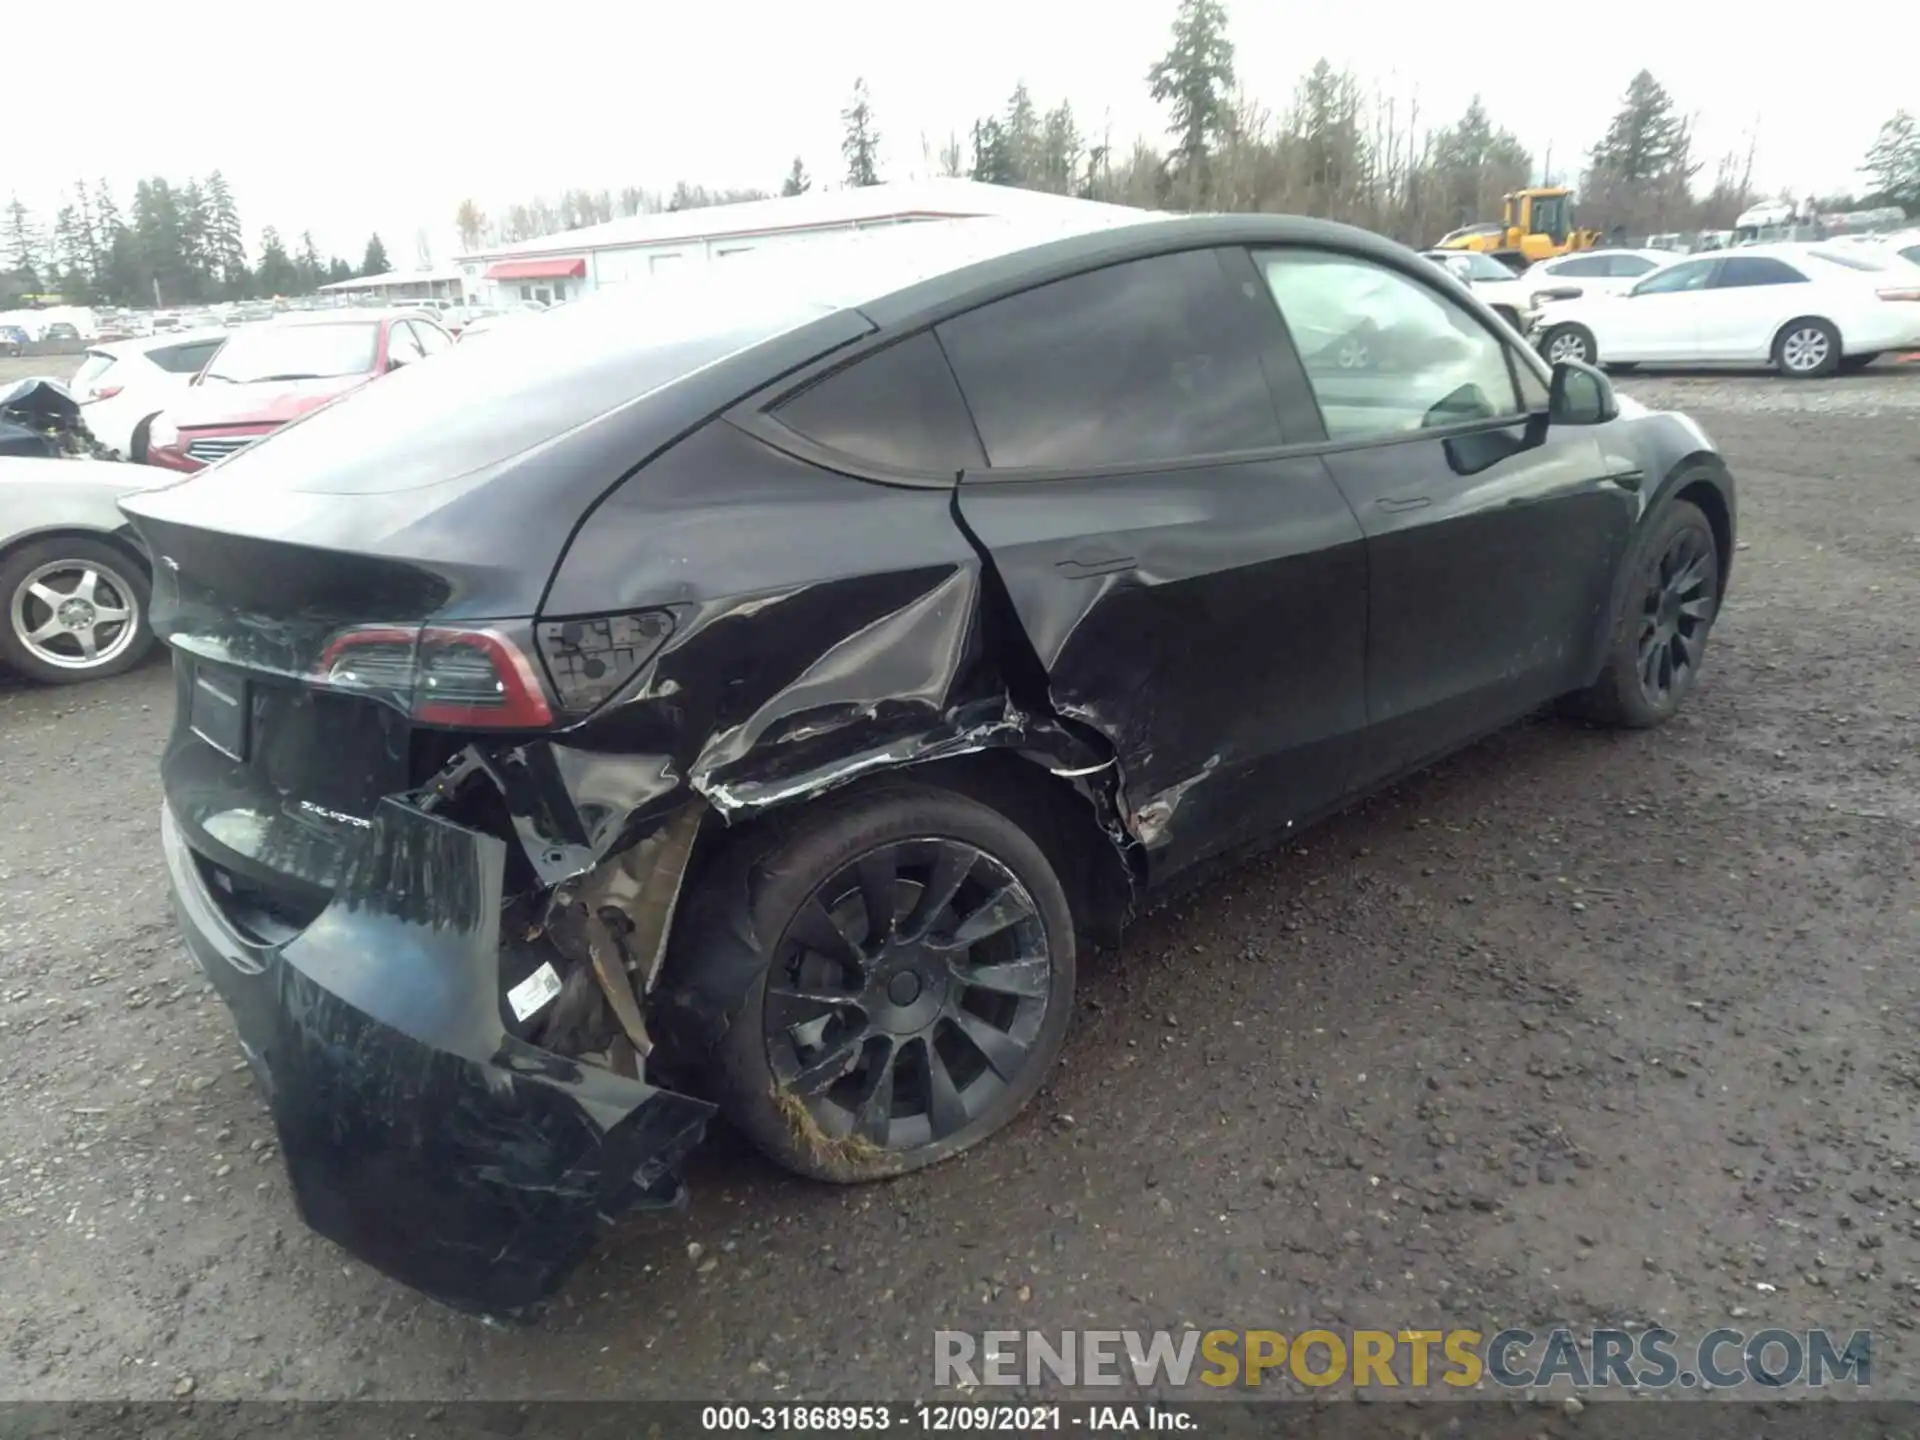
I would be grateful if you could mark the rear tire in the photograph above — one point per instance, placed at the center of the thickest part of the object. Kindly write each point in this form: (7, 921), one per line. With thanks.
(1569, 342)
(44, 583)
(1807, 349)
(1667, 608)
(849, 1056)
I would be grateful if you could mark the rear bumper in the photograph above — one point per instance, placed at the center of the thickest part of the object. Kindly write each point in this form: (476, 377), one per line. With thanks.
(418, 1133)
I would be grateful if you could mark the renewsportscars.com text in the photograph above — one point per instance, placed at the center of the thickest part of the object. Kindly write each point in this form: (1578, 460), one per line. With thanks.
(1655, 1359)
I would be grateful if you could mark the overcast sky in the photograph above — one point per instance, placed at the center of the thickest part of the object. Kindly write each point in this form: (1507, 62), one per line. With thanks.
(353, 116)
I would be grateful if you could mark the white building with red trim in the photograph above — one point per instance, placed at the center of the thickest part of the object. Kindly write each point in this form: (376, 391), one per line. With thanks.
(560, 267)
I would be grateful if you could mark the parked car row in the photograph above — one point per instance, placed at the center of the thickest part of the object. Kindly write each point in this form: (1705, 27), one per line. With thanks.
(1806, 310)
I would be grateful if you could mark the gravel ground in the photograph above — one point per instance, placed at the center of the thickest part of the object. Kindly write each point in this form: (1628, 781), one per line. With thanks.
(1578, 1027)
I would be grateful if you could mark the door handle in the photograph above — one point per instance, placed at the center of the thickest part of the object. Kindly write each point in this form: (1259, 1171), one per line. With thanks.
(1394, 504)
(1628, 480)
(1088, 564)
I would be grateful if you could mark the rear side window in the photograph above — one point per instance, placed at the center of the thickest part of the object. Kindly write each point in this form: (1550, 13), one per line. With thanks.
(187, 359)
(1740, 271)
(898, 408)
(1155, 359)
(403, 346)
(1584, 265)
(1692, 275)
(97, 363)
(1628, 266)
(1848, 262)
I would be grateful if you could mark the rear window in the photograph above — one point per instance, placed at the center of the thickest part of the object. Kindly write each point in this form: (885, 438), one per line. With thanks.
(97, 363)
(1848, 261)
(479, 405)
(275, 353)
(187, 359)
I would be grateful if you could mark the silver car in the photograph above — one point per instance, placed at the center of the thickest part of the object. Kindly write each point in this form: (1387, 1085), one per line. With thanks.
(74, 580)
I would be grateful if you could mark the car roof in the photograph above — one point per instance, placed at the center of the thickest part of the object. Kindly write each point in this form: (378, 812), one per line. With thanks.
(163, 340)
(343, 316)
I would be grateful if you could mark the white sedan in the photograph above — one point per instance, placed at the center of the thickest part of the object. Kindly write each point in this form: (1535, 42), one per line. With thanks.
(124, 385)
(1505, 293)
(1807, 310)
(1591, 272)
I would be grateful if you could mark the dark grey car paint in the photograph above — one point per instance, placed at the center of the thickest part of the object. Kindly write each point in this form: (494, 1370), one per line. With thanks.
(1176, 658)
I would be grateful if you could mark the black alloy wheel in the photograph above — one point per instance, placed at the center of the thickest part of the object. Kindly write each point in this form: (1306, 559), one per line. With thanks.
(896, 969)
(1670, 597)
(908, 994)
(1676, 610)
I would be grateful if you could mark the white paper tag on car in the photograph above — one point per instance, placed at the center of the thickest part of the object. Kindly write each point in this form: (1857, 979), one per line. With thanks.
(536, 990)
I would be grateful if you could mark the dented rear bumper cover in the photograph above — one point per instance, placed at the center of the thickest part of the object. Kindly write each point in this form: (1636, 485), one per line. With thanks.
(419, 1134)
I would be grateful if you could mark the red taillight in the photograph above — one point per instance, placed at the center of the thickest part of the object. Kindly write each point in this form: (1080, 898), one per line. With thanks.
(440, 675)
(1900, 294)
(105, 392)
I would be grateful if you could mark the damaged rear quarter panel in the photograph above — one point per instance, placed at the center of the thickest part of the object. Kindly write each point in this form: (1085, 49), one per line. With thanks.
(826, 626)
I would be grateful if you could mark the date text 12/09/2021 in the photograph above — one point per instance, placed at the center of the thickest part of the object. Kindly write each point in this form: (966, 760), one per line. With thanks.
(944, 1419)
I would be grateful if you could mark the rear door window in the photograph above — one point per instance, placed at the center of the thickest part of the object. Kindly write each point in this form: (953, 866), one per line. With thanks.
(1740, 271)
(1149, 360)
(898, 408)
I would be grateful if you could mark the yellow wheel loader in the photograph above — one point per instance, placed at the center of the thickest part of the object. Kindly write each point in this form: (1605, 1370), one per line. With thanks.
(1538, 225)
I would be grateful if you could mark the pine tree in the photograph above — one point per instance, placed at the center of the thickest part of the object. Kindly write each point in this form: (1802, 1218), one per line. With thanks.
(1194, 80)
(276, 274)
(68, 272)
(1061, 146)
(21, 243)
(1893, 162)
(861, 144)
(992, 156)
(375, 261)
(1472, 164)
(309, 270)
(797, 181)
(226, 242)
(1022, 128)
(157, 246)
(1647, 141)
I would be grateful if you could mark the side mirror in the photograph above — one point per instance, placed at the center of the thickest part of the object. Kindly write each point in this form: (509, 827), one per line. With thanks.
(1580, 395)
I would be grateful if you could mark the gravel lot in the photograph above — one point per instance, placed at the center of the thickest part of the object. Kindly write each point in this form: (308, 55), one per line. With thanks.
(1579, 1027)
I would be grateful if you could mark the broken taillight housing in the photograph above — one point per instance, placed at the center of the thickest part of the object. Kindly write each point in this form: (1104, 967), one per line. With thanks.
(590, 658)
(473, 678)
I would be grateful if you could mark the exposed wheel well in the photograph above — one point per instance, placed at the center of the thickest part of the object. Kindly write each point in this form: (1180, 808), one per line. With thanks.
(1713, 505)
(1061, 821)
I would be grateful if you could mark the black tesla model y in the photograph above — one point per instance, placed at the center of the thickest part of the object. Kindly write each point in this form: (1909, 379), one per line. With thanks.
(750, 692)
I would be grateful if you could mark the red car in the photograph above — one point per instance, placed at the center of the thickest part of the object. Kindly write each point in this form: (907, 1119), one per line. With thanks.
(269, 374)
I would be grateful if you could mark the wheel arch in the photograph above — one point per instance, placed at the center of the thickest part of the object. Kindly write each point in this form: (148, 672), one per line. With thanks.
(1780, 330)
(122, 540)
(1072, 818)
